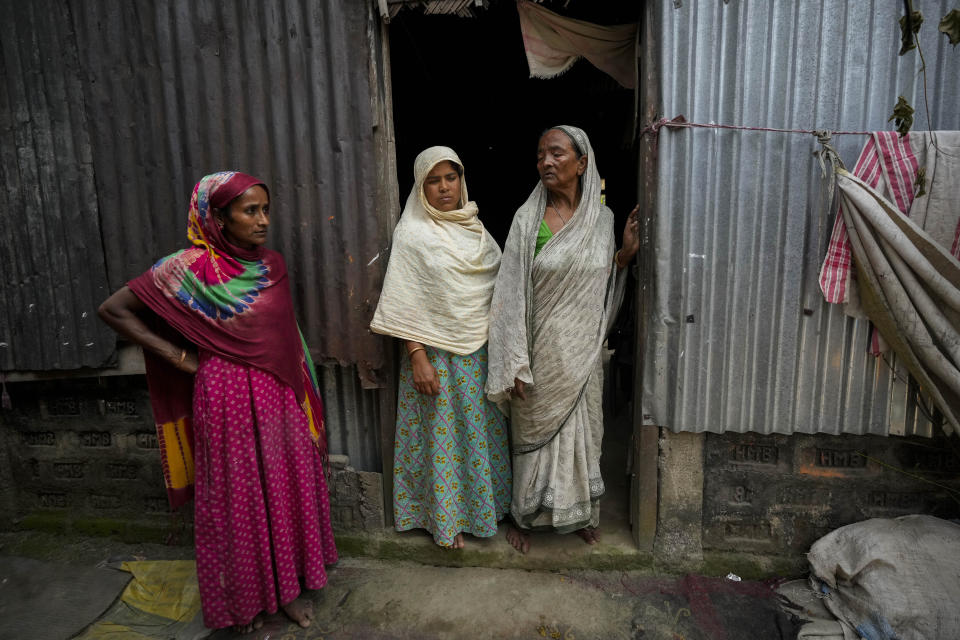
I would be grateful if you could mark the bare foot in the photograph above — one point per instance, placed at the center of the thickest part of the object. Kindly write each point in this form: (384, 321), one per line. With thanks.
(517, 538)
(590, 535)
(255, 624)
(456, 543)
(300, 611)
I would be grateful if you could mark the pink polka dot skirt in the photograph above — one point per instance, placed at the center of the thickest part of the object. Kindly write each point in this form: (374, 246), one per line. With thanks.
(262, 513)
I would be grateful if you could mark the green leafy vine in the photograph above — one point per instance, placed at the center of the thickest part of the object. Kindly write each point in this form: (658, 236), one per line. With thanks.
(910, 24)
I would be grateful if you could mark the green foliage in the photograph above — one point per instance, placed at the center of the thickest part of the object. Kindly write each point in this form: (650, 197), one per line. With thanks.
(920, 184)
(950, 26)
(909, 27)
(902, 116)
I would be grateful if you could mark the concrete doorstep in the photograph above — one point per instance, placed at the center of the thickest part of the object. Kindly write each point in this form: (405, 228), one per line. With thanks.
(548, 551)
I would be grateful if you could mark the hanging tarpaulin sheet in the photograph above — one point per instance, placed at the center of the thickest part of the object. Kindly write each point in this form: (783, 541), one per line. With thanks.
(553, 43)
(907, 277)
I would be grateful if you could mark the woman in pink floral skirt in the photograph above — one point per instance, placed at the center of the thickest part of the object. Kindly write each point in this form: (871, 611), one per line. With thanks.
(235, 399)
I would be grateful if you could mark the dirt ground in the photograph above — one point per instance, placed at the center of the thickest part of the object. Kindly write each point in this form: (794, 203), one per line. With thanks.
(53, 587)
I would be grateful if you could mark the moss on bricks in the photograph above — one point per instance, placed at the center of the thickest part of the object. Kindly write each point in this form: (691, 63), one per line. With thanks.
(98, 527)
(390, 549)
(48, 522)
(155, 532)
(356, 546)
(613, 559)
(753, 567)
(127, 531)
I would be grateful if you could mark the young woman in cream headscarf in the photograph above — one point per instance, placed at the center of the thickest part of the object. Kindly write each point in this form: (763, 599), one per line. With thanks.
(451, 469)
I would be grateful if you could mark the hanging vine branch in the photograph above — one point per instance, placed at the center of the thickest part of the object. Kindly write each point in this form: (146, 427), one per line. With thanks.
(909, 27)
(902, 116)
(950, 27)
(910, 24)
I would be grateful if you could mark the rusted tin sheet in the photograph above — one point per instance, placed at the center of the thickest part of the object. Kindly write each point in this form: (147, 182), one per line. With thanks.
(461, 8)
(52, 269)
(282, 90)
(352, 416)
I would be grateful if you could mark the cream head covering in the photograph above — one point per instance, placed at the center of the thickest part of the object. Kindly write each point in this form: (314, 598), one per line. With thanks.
(442, 268)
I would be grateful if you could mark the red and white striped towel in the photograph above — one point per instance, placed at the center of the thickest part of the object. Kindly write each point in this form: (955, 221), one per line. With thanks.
(887, 158)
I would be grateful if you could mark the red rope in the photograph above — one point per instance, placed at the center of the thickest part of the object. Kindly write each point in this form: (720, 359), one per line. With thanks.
(680, 122)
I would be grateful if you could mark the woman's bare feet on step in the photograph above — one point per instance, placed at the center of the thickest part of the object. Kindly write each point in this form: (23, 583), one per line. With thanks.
(456, 543)
(590, 535)
(518, 539)
(255, 624)
(300, 611)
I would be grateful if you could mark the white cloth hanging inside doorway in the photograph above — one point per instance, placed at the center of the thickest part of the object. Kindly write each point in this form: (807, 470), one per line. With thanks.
(553, 43)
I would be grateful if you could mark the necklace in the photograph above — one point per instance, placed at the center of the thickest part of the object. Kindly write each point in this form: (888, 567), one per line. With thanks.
(562, 219)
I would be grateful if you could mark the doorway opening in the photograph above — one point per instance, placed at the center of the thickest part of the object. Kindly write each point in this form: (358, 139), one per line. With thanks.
(464, 83)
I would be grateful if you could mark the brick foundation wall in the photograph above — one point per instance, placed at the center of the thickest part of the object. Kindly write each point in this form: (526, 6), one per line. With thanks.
(779, 494)
(81, 455)
(83, 450)
(356, 497)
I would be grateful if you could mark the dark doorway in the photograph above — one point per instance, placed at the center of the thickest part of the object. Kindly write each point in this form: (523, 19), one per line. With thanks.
(464, 83)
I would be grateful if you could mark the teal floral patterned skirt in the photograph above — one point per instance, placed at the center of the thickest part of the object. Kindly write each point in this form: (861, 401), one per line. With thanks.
(451, 466)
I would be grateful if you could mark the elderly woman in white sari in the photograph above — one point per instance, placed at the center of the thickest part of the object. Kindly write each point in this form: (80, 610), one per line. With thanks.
(558, 290)
(451, 471)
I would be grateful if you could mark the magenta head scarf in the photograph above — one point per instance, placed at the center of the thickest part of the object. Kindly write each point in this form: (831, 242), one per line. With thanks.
(217, 191)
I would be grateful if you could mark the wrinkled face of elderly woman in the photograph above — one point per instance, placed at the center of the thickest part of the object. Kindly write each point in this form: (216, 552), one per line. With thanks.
(558, 164)
(247, 218)
(441, 187)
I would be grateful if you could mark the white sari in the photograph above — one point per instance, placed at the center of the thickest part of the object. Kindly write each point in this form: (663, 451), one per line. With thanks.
(550, 315)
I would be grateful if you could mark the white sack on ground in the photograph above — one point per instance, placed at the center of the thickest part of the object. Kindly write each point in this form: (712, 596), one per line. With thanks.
(798, 598)
(887, 579)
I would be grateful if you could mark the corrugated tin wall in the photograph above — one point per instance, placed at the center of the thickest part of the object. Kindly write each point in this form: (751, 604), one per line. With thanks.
(52, 271)
(175, 90)
(111, 111)
(352, 414)
(738, 336)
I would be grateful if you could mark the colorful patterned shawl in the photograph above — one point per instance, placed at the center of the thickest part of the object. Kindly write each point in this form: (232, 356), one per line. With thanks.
(230, 301)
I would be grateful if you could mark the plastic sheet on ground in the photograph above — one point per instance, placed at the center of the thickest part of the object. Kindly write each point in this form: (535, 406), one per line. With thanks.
(161, 601)
(51, 601)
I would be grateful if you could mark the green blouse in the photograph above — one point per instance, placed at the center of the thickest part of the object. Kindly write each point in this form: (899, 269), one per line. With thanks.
(543, 235)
